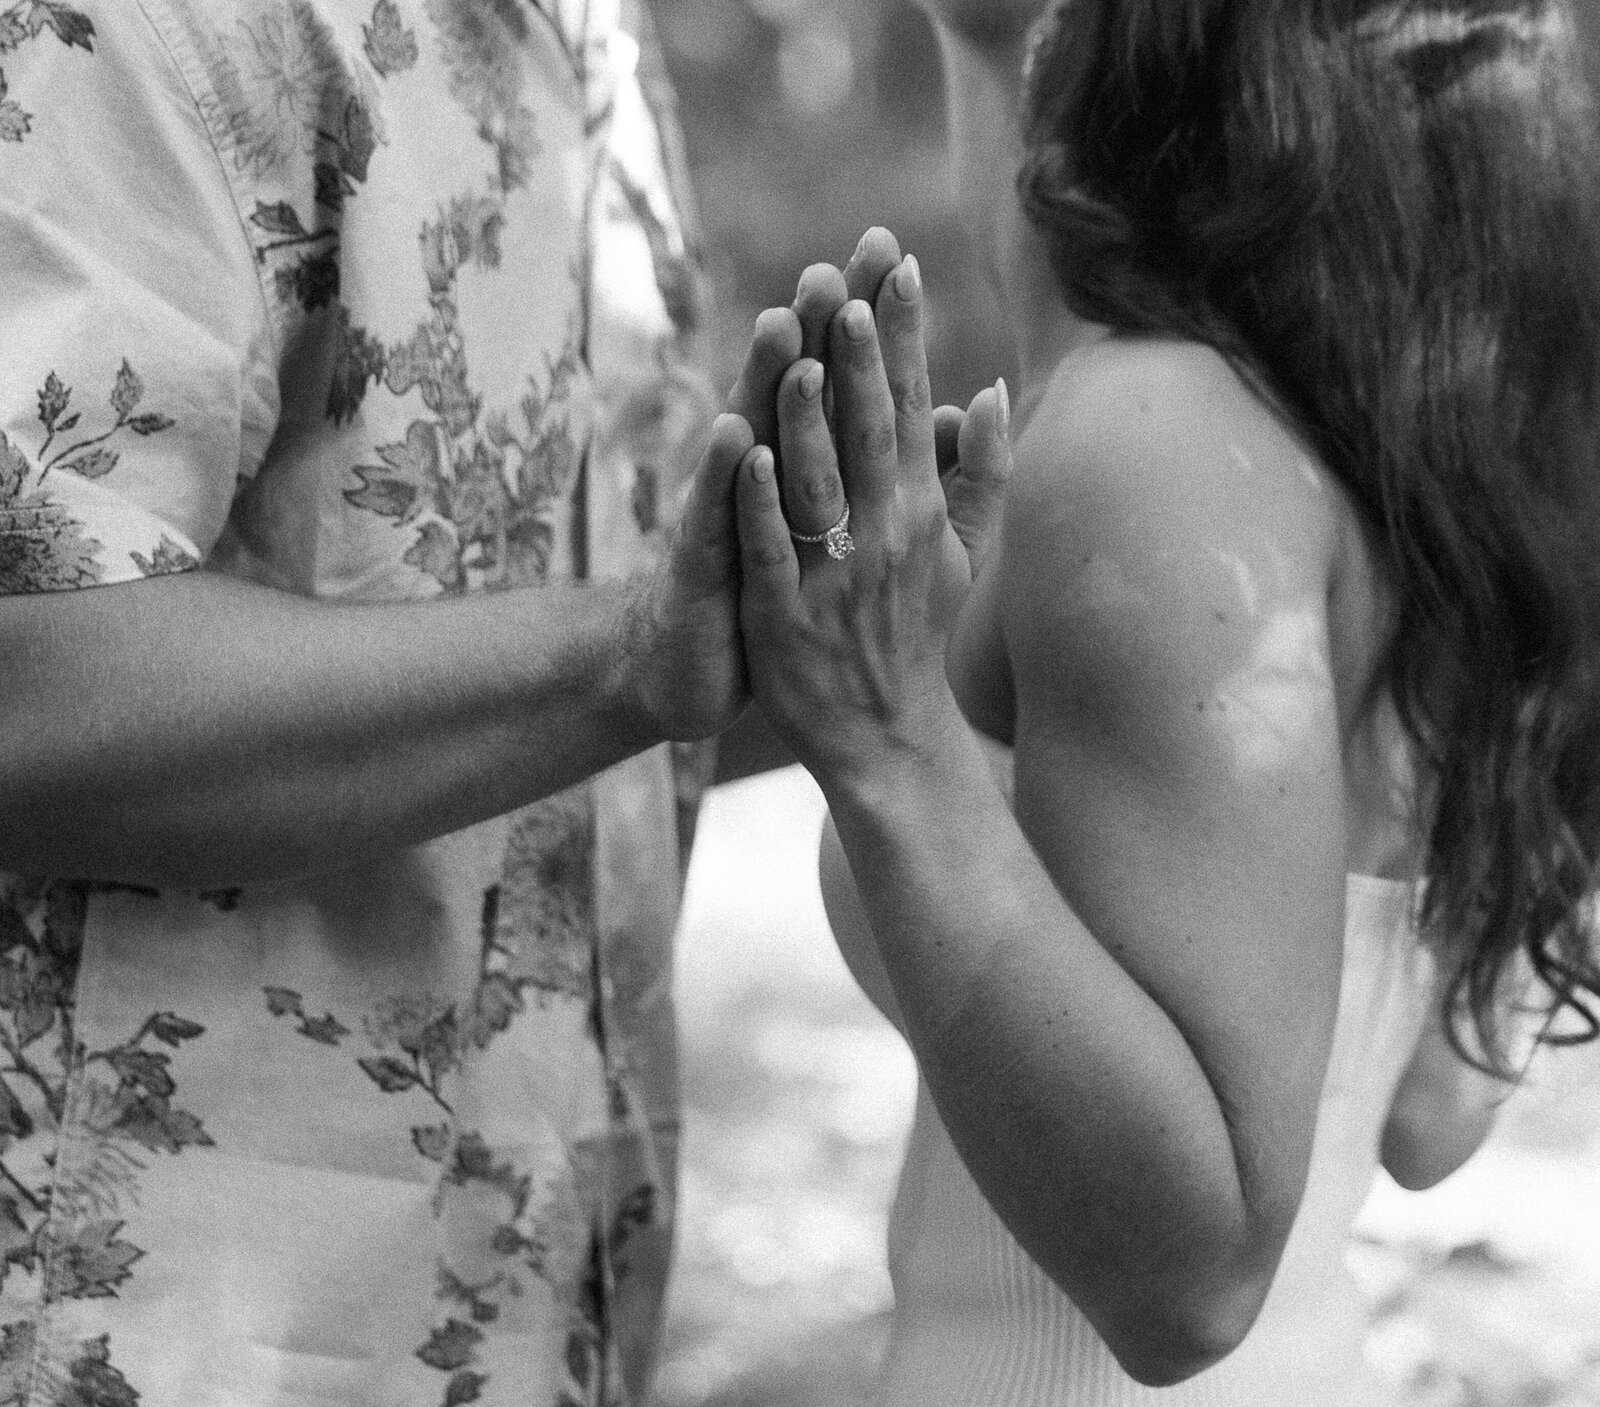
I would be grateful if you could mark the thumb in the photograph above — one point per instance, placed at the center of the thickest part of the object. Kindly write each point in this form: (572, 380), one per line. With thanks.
(704, 550)
(975, 492)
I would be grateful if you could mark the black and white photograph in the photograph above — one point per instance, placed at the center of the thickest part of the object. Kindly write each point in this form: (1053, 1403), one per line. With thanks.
(800, 703)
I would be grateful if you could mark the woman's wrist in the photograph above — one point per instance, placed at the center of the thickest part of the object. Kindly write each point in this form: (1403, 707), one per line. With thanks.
(927, 748)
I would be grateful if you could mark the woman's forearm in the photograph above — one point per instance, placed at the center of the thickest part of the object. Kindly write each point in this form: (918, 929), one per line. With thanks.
(1075, 1101)
(198, 730)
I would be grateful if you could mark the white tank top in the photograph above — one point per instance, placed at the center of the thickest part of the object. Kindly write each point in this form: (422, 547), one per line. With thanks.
(978, 1324)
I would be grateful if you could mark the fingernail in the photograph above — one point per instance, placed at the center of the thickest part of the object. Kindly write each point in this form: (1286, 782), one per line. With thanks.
(861, 245)
(858, 321)
(1003, 410)
(811, 382)
(908, 278)
(761, 465)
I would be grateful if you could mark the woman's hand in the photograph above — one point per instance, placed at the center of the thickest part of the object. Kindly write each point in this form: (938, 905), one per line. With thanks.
(846, 655)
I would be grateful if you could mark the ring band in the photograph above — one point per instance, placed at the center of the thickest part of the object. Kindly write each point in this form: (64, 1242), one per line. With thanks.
(837, 539)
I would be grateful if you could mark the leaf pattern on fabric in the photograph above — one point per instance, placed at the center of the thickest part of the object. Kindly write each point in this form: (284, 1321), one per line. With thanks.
(482, 44)
(483, 495)
(537, 939)
(89, 457)
(91, 1262)
(168, 559)
(42, 546)
(93, 1381)
(15, 123)
(25, 20)
(280, 92)
(60, 1227)
(453, 1345)
(390, 47)
(465, 1386)
(404, 482)
(358, 359)
(326, 1029)
(545, 911)
(480, 496)
(87, 1379)
(281, 99)
(311, 277)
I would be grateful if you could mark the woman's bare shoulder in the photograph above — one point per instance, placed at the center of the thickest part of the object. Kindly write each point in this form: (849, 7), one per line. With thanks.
(1150, 444)
(1166, 536)
(1172, 422)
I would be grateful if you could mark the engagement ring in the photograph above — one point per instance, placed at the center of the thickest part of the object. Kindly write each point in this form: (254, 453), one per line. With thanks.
(837, 539)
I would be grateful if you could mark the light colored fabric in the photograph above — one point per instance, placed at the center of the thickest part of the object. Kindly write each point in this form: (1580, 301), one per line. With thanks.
(371, 300)
(978, 1324)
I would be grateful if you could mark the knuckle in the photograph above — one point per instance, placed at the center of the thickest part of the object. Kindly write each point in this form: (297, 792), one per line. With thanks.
(769, 554)
(912, 395)
(894, 546)
(821, 492)
(874, 440)
(930, 514)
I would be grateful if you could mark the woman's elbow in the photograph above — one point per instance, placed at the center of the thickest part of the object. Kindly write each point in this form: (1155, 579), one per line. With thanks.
(1162, 1346)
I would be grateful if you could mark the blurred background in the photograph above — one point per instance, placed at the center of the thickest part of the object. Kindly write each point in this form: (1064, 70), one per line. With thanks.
(807, 121)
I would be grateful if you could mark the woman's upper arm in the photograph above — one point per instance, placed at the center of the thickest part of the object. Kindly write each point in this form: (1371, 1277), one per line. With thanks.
(1178, 766)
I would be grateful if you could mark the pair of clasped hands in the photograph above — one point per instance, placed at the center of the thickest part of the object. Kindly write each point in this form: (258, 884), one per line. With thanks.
(843, 646)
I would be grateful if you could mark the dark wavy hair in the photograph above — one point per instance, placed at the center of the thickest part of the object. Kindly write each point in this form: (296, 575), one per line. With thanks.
(1386, 214)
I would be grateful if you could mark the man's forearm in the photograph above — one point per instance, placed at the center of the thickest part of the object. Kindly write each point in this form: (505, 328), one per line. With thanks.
(198, 730)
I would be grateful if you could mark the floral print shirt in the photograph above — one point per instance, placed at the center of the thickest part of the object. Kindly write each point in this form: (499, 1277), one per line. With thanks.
(365, 300)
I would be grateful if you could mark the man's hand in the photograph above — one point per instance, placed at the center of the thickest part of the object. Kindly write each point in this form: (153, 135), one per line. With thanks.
(682, 638)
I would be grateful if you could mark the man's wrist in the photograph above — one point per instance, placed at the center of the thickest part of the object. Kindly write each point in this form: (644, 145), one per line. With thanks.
(589, 668)
(637, 679)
